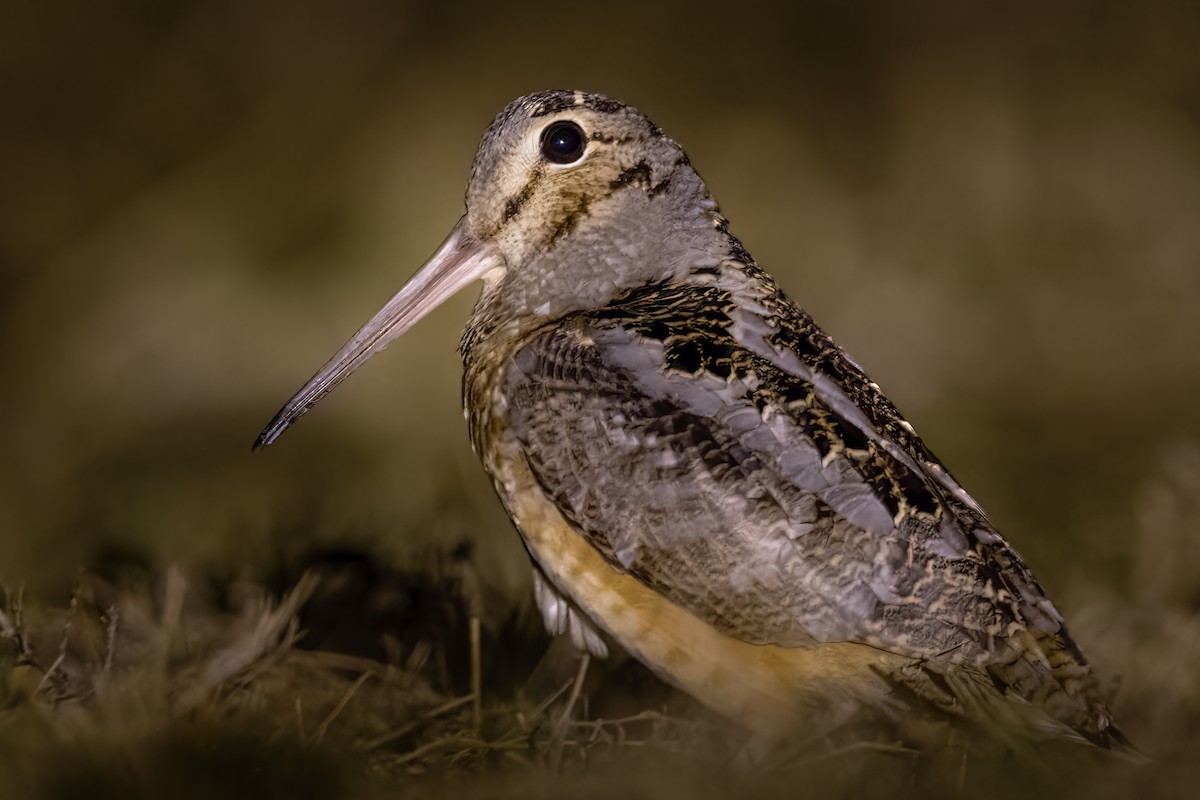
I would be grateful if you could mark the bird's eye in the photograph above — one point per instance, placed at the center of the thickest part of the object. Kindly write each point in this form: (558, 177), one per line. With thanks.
(563, 142)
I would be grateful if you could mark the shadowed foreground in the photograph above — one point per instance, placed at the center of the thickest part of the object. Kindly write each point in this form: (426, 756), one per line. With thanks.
(341, 677)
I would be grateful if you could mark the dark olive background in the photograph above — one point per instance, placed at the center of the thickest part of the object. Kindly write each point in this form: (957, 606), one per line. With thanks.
(994, 206)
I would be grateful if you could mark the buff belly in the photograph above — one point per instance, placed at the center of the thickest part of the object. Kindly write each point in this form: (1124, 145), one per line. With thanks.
(772, 691)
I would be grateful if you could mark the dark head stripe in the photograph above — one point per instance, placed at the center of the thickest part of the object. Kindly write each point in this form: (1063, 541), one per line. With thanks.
(552, 102)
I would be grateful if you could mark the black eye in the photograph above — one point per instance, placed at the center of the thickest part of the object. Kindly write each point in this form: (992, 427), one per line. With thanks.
(563, 142)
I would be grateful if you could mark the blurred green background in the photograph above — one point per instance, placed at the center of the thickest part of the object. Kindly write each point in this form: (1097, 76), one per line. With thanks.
(994, 206)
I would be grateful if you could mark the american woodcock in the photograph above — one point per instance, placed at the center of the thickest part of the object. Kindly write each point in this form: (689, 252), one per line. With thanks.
(696, 469)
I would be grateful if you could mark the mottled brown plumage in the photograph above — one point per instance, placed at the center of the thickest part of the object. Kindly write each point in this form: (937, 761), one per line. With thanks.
(698, 471)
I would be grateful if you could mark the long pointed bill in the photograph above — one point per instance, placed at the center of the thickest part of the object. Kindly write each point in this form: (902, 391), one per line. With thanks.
(460, 260)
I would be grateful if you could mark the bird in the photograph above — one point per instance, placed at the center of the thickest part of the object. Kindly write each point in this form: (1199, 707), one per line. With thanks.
(699, 474)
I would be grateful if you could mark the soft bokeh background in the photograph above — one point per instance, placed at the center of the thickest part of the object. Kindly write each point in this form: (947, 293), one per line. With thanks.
(994, 206)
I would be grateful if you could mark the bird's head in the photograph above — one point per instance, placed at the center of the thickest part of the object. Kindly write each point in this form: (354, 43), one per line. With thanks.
(572, 198)
(555, 163)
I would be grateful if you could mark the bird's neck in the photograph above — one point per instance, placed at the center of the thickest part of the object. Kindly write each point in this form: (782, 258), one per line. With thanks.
(633, 239)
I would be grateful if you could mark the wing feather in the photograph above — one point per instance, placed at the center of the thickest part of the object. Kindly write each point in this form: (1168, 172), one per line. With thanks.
(741, 491)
